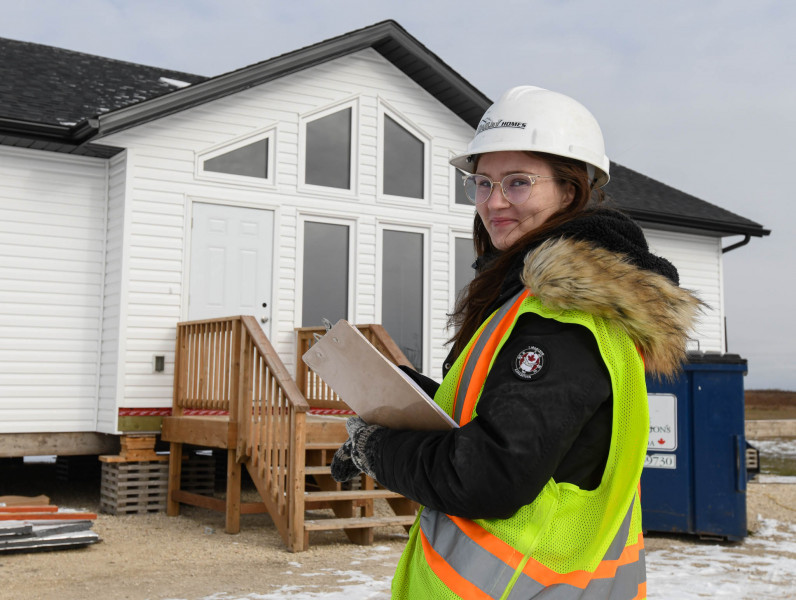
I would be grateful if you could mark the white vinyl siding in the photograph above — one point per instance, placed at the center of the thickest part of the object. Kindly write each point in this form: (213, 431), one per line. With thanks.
(112, 335)
(52, 232)
(162, 172)
(699, 262)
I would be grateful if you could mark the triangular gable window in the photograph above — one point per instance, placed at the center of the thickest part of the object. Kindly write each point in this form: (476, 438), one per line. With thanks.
(250, 160)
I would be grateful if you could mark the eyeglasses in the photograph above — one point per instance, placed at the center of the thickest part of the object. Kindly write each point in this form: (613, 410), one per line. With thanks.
(516, 187)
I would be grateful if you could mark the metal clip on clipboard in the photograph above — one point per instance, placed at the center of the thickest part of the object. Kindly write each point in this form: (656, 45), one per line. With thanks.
(327, 324)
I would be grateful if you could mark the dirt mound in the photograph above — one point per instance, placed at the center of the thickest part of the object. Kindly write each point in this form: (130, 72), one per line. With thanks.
(770, 404)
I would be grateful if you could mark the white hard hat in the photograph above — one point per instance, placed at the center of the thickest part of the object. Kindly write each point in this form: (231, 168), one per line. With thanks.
(533, 119)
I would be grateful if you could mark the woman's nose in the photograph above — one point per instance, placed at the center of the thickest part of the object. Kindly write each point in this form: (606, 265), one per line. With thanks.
(497, 199)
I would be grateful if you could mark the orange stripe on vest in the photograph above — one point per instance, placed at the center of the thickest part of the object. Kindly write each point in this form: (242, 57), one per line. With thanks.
(455, 582)
(536, 570)
(485, 359)
(580, 579)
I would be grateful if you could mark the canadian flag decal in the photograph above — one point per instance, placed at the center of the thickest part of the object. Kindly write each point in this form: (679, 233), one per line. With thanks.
(530, 363)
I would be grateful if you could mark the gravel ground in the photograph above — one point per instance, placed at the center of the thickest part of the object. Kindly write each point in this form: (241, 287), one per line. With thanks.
(156, 557)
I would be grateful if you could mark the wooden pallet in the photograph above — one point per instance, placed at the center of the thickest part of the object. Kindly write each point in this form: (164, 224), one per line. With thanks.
(134, 487)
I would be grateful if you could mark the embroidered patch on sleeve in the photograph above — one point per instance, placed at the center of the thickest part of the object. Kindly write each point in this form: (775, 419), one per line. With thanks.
(530, 363)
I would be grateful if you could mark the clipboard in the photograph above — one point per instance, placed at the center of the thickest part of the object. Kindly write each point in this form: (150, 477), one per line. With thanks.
(374, 388)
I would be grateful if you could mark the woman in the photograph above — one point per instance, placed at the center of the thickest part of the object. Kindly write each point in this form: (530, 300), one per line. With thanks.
(537, 489)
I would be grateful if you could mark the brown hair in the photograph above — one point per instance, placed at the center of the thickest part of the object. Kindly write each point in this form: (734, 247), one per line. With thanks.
(479, 296)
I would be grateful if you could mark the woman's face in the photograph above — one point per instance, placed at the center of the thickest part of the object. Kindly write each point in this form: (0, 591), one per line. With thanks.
(505, 222)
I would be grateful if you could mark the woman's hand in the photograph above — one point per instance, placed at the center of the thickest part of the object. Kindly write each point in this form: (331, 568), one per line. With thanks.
(357, 454)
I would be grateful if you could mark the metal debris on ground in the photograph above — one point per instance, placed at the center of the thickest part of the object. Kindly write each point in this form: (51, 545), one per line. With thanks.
(31, 523)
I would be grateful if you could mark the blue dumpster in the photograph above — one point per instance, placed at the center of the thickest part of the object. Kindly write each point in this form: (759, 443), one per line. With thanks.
(694, 478)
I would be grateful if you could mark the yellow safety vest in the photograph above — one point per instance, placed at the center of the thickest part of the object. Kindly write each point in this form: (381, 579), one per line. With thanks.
(568, 542)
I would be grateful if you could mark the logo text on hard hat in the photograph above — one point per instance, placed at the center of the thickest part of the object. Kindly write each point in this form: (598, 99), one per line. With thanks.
(487, 124)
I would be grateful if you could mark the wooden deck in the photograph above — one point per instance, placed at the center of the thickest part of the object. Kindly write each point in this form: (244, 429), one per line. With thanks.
(267, 427)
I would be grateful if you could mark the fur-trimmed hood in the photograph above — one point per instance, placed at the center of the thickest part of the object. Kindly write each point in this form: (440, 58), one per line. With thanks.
(635, 289)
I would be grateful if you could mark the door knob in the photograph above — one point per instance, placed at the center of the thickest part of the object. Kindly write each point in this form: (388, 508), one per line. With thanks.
(263, 319)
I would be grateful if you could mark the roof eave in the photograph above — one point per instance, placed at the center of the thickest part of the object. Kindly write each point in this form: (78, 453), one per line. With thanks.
(722, 228)
(461, 88)
(377, 36)
(38, 130)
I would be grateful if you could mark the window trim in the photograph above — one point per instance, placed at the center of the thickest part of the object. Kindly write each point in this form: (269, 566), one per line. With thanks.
(454, 180)
(425, 231)
(321, 190)
(276, 247)
(268, 133)
(453, 235)
(318, 217)
(425, 138)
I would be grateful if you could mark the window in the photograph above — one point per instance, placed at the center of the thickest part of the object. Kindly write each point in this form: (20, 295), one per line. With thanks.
(402, 292)
(464, 256)
(248, 161)
(458, 185)
(404, 162)
(328, 150)
(325, 283)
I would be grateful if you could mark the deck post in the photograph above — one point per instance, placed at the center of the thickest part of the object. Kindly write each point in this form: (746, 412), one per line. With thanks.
(233, 493)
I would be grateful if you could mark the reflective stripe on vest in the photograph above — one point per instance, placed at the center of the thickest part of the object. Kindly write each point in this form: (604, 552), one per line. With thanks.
(477, 564)
(538, 552)
(484, 348)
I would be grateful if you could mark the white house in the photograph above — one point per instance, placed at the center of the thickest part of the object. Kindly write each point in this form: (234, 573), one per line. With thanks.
(314, 184)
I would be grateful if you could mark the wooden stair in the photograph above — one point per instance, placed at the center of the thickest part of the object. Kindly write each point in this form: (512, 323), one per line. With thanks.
(232, 392)
(352, 502)
(353, 522)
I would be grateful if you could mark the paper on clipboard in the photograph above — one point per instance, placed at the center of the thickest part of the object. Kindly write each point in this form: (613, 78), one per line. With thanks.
(370, 384)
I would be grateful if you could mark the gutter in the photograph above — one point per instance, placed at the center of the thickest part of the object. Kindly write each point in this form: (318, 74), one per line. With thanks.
(722, 227)
(743, 242)
(84, 130)
(73, 134)
(40, 130)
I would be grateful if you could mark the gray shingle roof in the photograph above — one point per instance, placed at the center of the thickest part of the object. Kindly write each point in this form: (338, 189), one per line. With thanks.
(47, 85)
(60, 100)
(651, 201)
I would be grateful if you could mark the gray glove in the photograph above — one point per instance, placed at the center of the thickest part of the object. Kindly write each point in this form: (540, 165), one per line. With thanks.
(359, 452)
(343, 468)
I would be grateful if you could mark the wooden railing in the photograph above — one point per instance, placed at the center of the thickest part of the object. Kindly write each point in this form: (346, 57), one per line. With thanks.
(207, 361)
(229, 365)
(314, 389)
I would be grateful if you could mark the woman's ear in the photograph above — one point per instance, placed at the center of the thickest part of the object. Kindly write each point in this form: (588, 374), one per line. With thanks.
(568, 194)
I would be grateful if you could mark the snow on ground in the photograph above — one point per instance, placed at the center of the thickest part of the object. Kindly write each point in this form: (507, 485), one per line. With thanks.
(776, 448)
(761, 567)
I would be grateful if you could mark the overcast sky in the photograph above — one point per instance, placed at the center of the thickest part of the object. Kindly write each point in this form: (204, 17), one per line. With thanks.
(698, 94)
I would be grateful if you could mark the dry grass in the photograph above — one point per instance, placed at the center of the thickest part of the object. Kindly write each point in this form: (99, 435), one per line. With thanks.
(770, 404)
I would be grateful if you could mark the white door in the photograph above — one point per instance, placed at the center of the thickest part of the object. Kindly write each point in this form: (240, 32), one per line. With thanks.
(231, 263)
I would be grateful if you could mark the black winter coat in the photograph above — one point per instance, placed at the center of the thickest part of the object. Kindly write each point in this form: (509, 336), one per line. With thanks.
(556, 424)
